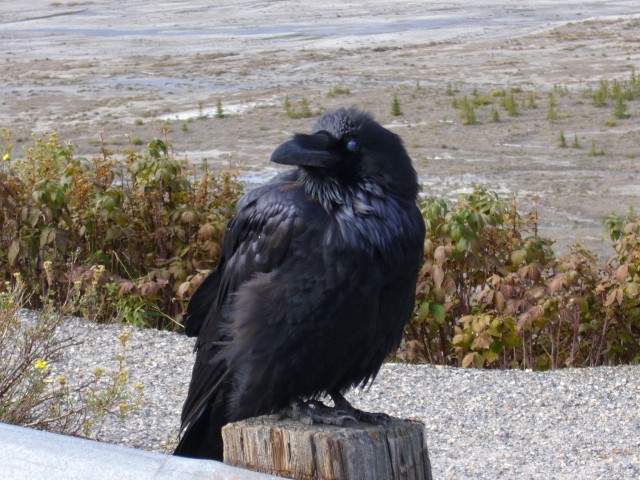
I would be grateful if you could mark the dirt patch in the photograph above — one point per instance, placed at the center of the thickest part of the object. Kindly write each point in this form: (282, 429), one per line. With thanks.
(88, 69)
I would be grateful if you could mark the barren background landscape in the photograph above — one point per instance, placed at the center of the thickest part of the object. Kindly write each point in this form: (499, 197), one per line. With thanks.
(126, 71)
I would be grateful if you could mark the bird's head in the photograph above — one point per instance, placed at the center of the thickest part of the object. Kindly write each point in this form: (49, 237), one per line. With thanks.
(347, 145)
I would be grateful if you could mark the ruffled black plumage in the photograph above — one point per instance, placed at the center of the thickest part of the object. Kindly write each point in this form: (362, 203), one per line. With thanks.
(315, 282)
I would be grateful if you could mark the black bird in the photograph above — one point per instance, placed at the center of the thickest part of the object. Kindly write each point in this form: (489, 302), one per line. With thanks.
(315, 282)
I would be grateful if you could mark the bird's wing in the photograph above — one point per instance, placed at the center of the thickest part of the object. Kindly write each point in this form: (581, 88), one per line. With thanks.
(257, 240)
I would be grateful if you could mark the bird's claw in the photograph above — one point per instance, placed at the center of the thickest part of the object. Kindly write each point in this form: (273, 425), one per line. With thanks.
(378, 418)
(314, 412)
(345, 408)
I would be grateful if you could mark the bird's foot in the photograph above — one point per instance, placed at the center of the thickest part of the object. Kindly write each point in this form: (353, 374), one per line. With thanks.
(343, 407)
(315, 412)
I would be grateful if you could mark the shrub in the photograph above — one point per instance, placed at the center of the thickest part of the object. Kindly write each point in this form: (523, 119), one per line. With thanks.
(29, 396)
(142, 218)
(491, 293)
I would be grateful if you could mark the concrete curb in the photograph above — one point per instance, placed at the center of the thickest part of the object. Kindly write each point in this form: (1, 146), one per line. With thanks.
(34, 455)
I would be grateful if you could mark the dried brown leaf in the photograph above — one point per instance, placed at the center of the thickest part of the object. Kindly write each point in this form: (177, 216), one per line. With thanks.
(499, 302)
(183, 289)
(611, 297)
(557, 283)
(621, 273)
(437, 274)
(468, 359)
(440, 255)
(481, 342)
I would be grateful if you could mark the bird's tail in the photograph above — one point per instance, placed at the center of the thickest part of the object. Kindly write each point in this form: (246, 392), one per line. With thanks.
(203, 437)
(204, 413)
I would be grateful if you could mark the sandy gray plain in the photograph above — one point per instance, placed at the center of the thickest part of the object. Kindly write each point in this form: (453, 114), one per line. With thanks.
(129, 70)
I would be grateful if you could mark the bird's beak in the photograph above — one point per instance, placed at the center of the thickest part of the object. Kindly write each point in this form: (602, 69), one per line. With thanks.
(306, 151)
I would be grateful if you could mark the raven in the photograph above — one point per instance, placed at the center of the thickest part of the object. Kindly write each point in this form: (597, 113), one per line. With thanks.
(315, 282)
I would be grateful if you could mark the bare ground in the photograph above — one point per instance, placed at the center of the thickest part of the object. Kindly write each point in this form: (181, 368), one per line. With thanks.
(130, 72)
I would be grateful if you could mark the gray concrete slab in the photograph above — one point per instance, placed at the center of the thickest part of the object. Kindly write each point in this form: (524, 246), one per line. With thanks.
(35, 455)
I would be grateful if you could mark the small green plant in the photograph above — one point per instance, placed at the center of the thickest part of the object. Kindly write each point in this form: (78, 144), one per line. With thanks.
(562, 90)
(575, 143)
(593, 151)
(509, 103)
(480, 101)
(138, 122)
(335, 91)
(219, 110)
(532, 100)
(468, 112)
(620, 108)
(562, 143)
(451, 89)
(600, 96)
(552, 114)
(395, 105)
(201, 114)
(303, 111)
(494, 116)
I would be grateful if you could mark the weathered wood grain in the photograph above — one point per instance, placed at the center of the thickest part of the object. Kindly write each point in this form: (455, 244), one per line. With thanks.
(360, 451)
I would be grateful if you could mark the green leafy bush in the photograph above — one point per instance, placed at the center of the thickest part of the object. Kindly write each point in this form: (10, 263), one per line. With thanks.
(491, 293)
(133, 231)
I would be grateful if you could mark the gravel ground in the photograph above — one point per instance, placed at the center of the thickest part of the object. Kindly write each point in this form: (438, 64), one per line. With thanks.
(567, 424)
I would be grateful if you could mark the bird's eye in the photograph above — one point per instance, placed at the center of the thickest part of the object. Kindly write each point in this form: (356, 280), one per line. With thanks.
(352, 145)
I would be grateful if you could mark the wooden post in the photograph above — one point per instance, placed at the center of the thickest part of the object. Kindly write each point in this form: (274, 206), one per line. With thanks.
(359, 451)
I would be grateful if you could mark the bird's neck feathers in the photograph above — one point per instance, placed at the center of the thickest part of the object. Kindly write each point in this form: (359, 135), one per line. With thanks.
(334, 192)
(324, 189)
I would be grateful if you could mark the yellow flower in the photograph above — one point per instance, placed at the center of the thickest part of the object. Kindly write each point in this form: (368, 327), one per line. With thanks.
(6, 157)
(40, 365)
